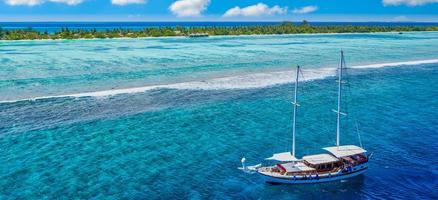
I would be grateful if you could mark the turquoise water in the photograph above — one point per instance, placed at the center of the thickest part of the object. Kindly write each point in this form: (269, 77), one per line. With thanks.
(209, 102)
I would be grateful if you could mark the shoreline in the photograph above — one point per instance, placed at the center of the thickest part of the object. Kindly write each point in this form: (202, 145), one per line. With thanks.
(218, 36)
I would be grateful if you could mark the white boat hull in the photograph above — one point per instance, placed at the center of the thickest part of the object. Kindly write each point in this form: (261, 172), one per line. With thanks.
(357, 170)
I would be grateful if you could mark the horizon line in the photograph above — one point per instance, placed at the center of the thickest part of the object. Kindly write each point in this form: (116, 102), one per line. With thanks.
(209, 21)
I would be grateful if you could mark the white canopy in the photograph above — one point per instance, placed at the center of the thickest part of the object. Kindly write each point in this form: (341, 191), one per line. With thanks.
(346, 150)
(283, 157)
(320, 159)
(296, 167)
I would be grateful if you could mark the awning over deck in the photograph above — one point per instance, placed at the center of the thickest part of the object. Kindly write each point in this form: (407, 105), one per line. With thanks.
(346, 150)
(320, 159)
(295, 167)
(283, 157)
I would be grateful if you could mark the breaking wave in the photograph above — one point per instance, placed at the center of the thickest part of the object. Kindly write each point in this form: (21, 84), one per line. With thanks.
(248, 81)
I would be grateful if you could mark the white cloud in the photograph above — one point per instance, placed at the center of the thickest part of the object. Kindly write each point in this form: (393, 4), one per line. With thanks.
(38, 2)
(24, 2)
(189, 8)
(68, 2)
(259, 9)
(305, 9)
(408, 2)
(126, 2)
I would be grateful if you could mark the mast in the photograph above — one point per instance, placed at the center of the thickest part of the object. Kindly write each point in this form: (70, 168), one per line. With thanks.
(295, 111)
(339, 99)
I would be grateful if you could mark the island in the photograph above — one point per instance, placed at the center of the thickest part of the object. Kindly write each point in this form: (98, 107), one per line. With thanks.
(281, 28)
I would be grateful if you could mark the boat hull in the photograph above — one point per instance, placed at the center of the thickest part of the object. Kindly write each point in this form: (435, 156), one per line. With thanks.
(313, 179)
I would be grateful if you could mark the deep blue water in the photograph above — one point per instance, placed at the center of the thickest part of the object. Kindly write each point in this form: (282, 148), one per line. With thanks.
(185, 139)
(57, 26)
(192, 145)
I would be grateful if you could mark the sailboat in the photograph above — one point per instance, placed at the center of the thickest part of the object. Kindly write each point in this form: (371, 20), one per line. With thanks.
(338, 163)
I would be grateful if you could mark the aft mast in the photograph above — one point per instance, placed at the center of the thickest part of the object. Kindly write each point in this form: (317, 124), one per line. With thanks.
(338, 124)
(295, 111)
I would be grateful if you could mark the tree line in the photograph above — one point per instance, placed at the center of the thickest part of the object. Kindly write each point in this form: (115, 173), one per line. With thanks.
(283, 28)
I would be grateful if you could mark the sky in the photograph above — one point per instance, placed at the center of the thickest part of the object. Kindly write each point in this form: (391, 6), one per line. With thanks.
(219, 10)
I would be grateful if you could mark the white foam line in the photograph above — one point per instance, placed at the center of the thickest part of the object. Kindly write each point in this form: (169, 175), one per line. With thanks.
(379, 65)
(89, 94)
(249, 81)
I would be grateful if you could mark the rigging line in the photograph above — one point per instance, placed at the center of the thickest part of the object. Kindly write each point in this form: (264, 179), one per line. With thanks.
(348, 97)
(301, 85)
(302, 74)
(358, 135)
(350, 93)
(304, 87)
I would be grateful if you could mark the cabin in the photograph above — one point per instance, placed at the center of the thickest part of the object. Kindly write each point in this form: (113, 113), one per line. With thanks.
(322, 162)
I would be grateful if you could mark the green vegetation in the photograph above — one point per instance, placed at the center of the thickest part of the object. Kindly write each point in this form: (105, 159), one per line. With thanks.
(284, 28)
